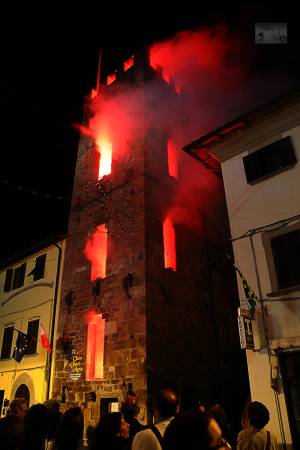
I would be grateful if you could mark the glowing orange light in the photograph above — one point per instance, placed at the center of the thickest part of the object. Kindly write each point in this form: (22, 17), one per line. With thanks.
(169, 244)
(105, 149)
(111, 78)
(95, 347)
(172, 159)
(94, 93)
(166, 76)
(96, 251)
(128, 63)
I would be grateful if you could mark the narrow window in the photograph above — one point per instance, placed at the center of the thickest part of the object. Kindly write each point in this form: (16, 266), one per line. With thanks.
(269, 160)
(39, 267)
(105, 150)
(128, 63)
(95, 347)
(7, 342)
(172, 159)
(32, 334)
(96, 252)
(19, 275)
(169, 244)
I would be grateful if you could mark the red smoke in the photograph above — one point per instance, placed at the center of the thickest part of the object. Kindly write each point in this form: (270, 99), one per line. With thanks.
(205, 66)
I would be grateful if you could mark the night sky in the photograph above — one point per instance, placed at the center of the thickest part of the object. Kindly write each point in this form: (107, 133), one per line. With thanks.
(49, 64)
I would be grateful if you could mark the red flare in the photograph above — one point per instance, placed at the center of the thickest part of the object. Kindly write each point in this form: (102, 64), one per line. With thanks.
(172, 159)
(169, 244)
(111, 78)
(95, 347)
(128, 63)
(96, 252)
(105, 149)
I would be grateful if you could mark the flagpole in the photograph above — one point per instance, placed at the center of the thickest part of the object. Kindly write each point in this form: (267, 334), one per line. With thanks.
(99, 72)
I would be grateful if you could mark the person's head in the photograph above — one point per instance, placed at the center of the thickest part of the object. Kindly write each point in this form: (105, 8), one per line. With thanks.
(52, 405)
(166, 403)
(70, 429)
(18, 407)
(129, 407)
(35, 427)
(114, 425)
(258, 415)
(110, 429)
(200, 428)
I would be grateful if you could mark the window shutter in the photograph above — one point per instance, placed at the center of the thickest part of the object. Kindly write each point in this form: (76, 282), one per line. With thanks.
(39, 267)
(19, 276)
(8, 280)
(7, 342)
(32, 334)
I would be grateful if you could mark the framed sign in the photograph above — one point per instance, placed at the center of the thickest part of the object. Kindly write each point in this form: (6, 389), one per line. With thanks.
(75, 366)
(245, 330)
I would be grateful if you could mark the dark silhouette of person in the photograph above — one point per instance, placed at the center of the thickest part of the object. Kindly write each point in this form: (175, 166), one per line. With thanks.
(194, 430)
(35, 427)
(69, 433)
(130, 410)
(111, 433)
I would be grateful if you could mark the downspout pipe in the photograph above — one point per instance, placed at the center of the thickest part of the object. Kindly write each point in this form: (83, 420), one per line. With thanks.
(53, 322)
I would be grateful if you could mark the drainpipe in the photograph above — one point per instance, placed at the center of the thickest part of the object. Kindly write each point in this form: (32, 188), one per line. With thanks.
(51, 356)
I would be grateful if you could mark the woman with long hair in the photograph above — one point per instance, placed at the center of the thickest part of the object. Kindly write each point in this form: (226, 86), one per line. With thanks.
(111, 433)
(69, 432)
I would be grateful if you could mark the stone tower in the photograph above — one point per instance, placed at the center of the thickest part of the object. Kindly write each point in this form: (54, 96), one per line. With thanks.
(147, 321)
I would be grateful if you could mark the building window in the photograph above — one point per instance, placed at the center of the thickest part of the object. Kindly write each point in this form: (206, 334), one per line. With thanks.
(32, 334)
(95, 347)
(14, 278)
(269, 160)
(96, 252)
(7, 342)
(19, 275)
(172, 159)
(286, 253)
(169, 244)
(282, 249)
(38, 271)
(8, 280)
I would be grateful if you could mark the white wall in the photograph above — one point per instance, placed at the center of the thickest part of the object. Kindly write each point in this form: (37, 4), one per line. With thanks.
(249, 207)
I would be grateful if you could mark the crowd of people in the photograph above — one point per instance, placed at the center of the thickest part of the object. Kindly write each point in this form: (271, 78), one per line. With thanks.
(175, 426)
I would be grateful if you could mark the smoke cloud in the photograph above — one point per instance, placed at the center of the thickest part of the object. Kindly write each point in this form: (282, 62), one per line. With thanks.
(210, 73)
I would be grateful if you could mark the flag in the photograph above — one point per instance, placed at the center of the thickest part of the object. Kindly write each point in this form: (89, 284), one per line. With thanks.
(20, 347)
(45, 340)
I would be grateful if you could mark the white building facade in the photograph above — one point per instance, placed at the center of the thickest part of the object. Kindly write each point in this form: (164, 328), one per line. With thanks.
(29, 300)
(260, 160)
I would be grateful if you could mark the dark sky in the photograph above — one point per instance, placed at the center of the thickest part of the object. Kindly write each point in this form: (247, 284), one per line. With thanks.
(49, 63)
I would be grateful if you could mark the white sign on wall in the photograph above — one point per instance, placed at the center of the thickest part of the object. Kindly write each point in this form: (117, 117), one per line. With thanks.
(248, 330)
